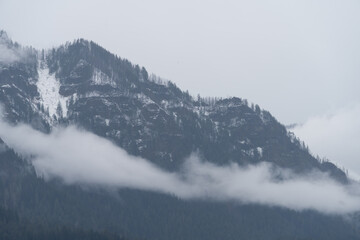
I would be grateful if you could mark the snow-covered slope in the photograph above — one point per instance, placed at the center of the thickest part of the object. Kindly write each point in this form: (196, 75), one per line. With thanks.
(48, 88)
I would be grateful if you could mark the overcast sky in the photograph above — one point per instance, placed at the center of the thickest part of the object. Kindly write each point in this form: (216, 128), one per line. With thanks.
(298, 59)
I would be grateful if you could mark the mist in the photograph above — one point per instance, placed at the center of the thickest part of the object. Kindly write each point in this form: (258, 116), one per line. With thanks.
(80, 157)
(335, 136)
(8, 55)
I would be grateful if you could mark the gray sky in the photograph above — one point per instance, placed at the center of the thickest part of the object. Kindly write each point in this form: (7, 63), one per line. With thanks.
(297, 59)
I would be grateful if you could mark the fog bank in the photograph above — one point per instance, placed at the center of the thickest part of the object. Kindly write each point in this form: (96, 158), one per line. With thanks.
(80, 157)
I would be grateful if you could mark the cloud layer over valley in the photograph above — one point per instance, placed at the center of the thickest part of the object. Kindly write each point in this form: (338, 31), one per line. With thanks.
(80, 157)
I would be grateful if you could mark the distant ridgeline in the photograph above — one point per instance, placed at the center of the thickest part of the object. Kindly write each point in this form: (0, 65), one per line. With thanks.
(81, 83)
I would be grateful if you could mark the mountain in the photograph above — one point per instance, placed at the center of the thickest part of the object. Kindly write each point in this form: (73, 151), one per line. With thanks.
(118, 100)
(81, 83)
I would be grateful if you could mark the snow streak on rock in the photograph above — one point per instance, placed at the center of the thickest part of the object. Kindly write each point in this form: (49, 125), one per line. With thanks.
(100, 78)
(48, 87)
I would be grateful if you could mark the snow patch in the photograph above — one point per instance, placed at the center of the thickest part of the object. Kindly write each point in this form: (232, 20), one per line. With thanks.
(49, 87)
(92, 94)
(264, 119)
(260, 151)
(144, 99)
(100, 78)
(236, 122)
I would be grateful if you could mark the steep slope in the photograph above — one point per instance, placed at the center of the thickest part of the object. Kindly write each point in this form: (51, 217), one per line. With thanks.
(18, 91)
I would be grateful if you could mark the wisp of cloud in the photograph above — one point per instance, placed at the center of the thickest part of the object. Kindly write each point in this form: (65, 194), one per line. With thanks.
(336, 137)
(7, 55)
(10, 53)
(80, 157)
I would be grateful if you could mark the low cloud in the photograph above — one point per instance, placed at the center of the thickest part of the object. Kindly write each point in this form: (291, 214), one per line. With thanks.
(8, 55)
(9, 52)
(80, 157)
(335, 137)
